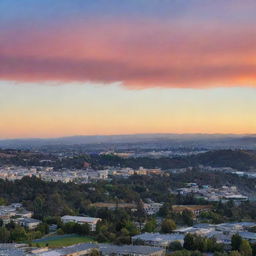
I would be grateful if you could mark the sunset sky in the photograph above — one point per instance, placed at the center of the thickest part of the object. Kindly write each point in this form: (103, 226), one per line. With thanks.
(78, 67)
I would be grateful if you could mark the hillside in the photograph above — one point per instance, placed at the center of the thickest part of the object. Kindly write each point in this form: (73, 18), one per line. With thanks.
(238, 159)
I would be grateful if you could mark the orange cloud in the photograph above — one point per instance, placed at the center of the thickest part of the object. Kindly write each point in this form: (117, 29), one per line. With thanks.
(138, 55)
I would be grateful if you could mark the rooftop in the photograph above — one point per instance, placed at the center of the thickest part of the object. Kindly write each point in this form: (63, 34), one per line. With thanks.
(159, 237)
(80, 218)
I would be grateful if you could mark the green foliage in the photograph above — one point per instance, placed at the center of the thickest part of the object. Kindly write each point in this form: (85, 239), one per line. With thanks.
(168, 225)
(150, 226)
(18, 234)
(196, 253)
(202, 244)
(181, 253)
(214, 217)
(4, 235)
(220, 254)
(43, 228)
(187, 217)
(2, 201)
(245, 248)
(94, 252)
(234, 253)
(236, 242)
(175, 246)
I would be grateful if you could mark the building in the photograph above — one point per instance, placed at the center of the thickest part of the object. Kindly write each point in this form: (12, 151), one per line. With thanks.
(11, 250)
(152, 208)
(130, 250)
(92, 222)
(74, 250)
(195, 209)
(157, 239)
(113, 206)
(105, 250)
(250, 236)
(28, 223)
(221, 232)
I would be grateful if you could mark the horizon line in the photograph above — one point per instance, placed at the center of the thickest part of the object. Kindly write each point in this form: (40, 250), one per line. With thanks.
(128, 134)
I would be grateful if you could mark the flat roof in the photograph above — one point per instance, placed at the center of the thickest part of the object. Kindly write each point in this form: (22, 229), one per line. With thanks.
(128, 249)
(104, 248)
(248, 235)
(157, 237)
(190, 207)
(80, 218)
(69, 250)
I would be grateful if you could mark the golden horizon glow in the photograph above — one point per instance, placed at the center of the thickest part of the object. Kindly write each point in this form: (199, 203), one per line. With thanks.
(85, 109)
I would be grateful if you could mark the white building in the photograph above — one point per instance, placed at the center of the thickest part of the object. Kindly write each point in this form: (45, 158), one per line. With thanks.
(152, 208)
(28, 223)
(92, 222)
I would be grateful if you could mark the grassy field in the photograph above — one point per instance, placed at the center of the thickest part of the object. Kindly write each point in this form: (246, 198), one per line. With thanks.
(59, 241)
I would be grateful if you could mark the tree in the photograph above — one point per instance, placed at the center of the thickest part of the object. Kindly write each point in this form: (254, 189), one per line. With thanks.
(2, 201)
(4, 235)
(181, 253)
(18, 234)
(236, 241)
(130, 226)
(69, 227)
(43, 228)
(94, 252)
(38, 206)
(196, 253)
(165, 210)
(187, 217)
(189, 242)
(200, 243)
(220, 254)
(82, 229)
(234, 253)
(168, 225)
(253, 245)
(150, 226)
(175, 246)
(245, 248)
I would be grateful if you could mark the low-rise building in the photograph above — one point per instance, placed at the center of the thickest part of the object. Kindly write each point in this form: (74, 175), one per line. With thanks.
(92, 222)
(195, 209)
(130, 250)
(74, 250)
(11, 250)
(105, 250)
(250, 236)
(152, 208)
(28, 223)
(157, 239)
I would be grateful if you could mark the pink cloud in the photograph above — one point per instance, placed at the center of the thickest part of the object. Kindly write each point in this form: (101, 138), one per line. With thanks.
(139, 55)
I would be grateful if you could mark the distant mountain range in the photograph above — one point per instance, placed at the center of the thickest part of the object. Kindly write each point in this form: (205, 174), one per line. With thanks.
(210, 141)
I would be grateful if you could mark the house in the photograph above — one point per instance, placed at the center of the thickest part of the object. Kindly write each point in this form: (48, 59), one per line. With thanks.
(195, 209)
(92, 222)
(157, 239)
(6, 219)
(28, 223)
(152, 208)
(24, 213)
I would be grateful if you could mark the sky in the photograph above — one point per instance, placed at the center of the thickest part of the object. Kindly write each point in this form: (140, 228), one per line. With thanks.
(79, 67)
